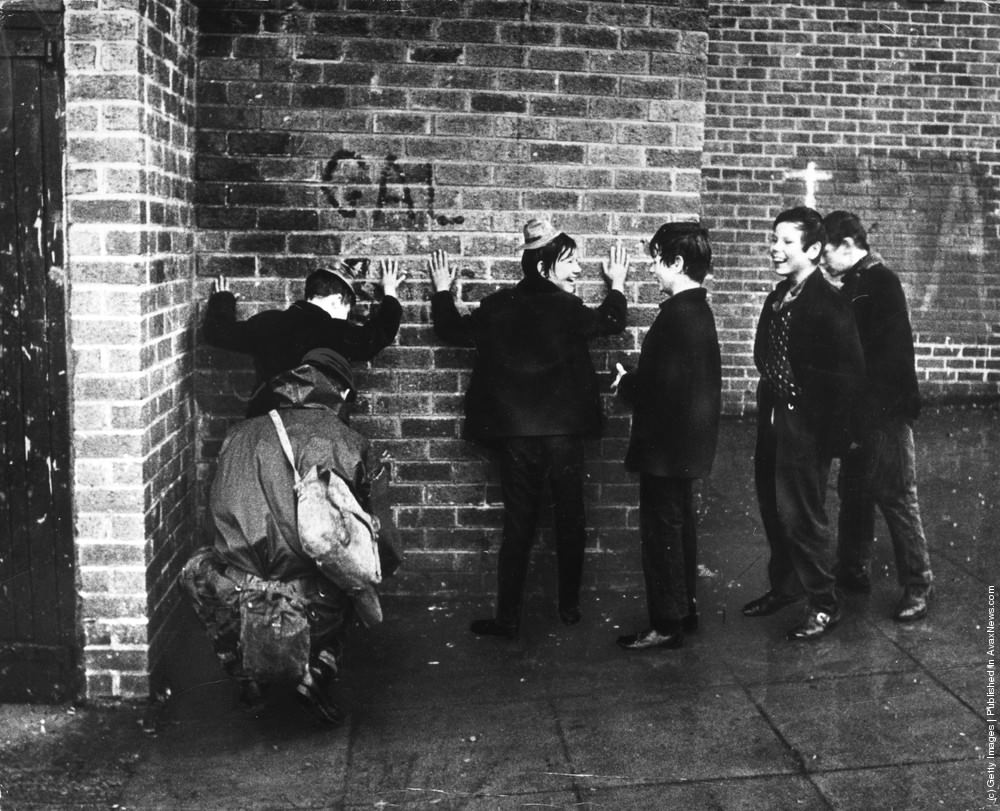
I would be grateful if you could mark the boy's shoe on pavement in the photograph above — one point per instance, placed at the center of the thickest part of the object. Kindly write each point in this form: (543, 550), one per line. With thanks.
(817, 623)
(650, 639)
(913, 604)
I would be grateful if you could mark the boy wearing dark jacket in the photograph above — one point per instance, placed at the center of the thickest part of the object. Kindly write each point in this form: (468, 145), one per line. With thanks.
(811, 367)
(534, 396)
(675, 394)
(881, 468)
(277, 339)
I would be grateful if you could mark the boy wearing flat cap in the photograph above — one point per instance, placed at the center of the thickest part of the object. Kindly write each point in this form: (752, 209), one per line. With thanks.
(534, 396)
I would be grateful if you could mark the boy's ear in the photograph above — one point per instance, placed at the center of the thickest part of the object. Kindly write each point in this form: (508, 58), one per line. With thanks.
(539, 267)
(814, 250)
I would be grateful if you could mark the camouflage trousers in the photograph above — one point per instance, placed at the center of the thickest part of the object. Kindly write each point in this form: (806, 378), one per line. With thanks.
(214, 589)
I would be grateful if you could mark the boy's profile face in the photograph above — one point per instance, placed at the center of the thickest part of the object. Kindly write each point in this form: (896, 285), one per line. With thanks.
(838, 257)
(565, 270)
(788, 255)
(666, 273)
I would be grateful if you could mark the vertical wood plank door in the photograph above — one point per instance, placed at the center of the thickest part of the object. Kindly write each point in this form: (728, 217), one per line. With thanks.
(39, 637)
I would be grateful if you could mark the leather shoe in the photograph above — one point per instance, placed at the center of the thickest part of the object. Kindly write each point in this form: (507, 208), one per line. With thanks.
(689, 624)
(913, 605)
(816, 624)
(768, 604)
(570, 616)
(854, 580)
(316, 692)
(650, 639)
(492, 627)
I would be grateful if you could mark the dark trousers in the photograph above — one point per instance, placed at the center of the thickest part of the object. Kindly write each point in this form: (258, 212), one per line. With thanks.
(882, 472)
(669, 549)
(791, 470)
(525, 464)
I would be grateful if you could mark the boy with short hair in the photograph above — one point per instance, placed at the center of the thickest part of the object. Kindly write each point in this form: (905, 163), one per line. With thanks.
(277, 339)
(881, 469)
(811, 366)
(675, 394)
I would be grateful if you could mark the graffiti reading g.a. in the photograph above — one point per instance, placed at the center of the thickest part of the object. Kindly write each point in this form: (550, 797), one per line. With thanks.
(346, 167)
(403, 193)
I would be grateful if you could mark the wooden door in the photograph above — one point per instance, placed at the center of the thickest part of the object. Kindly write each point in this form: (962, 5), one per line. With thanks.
(39, 646)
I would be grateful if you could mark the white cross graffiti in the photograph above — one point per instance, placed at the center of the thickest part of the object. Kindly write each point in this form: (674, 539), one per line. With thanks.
(812, 177)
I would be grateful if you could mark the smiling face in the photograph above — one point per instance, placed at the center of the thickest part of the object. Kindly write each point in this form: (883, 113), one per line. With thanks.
(565, 271)
(789, 256)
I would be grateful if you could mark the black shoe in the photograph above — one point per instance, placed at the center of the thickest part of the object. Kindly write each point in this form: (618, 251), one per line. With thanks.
(913, 604)
(570, 616)
(492, 627)
(650, 639)
(315, 691)
(817, 623)
(689, 624)
(768, 604)
(854, 580)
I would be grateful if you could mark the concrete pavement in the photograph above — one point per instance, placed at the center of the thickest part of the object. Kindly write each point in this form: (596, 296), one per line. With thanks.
(876, 715)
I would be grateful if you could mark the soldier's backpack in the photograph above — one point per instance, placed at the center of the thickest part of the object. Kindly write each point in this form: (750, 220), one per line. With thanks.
(336, 532)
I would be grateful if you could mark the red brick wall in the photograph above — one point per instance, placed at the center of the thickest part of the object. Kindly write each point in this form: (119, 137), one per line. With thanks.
(896, 102)
(129, 122)
(361, 132)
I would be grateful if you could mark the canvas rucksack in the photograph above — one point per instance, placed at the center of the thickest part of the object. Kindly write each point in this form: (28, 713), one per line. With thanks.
(336, 532)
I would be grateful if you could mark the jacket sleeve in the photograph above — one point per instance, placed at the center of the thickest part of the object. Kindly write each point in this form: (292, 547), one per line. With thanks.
(610, 318)
(362, 342)
(760, 336)
(834, 374)
(888, 345)
(449, 324)
(221, 328)
(628, 387)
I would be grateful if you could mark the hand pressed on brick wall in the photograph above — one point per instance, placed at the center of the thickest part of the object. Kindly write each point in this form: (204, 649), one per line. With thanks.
(391, 276)
(222, 286)
(616, 267)
(442, 276)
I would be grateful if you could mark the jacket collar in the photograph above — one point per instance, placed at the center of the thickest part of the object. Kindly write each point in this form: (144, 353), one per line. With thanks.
(304, 387)
(786, 292)
(693, 293)
(536, 283)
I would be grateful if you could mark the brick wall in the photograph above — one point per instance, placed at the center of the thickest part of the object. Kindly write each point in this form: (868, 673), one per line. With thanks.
(353, 130)
(895, 104)
(129, 117)
(350, 129)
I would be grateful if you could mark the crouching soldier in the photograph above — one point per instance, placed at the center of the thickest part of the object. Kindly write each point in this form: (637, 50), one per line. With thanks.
(296, 545)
